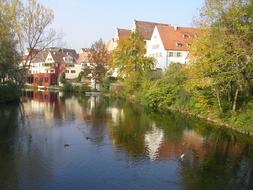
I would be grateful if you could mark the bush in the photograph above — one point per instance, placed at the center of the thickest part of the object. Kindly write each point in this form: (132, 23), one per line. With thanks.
(82, 89)
(106, 83)
(67, 87)
(63, 78)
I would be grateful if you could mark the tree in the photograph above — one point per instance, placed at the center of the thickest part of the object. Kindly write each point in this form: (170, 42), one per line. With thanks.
(130, 61)
(10, 75)
(129, 57)
(223, 53)
(33, 32)
(21, 26)
(98, 61)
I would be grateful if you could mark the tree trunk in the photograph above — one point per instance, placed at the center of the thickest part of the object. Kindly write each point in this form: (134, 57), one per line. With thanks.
(219, 101)
(235, 100)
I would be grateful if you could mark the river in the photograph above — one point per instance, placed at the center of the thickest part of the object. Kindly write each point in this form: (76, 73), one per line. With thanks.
(56, 141)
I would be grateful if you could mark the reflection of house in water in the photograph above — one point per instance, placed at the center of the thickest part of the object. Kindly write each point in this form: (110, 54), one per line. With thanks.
(188, 143)
(116, 113)
(43, 102)
(153, 140)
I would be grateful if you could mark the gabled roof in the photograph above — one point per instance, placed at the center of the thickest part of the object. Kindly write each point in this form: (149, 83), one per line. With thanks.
(38, 57)
(176, 38)
(123, 33)
(57, 56)
(146, 28)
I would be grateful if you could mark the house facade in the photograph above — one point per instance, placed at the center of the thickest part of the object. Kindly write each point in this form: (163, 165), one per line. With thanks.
(47, 66)
(170, 44)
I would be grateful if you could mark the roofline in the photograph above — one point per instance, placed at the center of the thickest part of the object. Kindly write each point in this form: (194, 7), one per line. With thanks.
(150, 22)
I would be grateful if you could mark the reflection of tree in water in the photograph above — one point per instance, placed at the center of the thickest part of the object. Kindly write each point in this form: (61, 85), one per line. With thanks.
(95, 116)
(227, 163)
(129, 132)
(215, 158)
(8, 167)
(21, 162)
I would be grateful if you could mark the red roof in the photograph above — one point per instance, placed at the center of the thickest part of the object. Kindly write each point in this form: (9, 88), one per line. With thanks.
(146, 28)
(123, 33)
(177, 38)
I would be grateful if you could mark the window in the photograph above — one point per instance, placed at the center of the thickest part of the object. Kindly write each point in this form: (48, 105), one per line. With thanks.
(170, 54)
(186, 36)
(73, 71)
(156, 46)
(189, 44)
(45, 79)
(179, 44)
(52, 71)
(161, 54)
(179, 54)
(67, 71)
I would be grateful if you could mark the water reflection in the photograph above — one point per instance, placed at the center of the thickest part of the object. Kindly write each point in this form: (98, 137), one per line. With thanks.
(107, 138)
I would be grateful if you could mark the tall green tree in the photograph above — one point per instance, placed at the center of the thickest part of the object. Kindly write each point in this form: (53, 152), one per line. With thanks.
(223, 53)
(129, 56)
(129, 60)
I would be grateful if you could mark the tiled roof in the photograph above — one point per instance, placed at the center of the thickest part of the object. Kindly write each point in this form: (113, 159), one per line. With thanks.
(58, 56)
(177, 38)
(64, 51)
(37, 57)
(123, 33)
(146, 28)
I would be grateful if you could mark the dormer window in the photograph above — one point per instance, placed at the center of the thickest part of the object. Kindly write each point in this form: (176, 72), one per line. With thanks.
(189, 44)
(186, 36)
(179, 44)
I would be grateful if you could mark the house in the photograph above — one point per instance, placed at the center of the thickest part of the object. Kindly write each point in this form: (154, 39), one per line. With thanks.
(47, 65)
(170, 44)
(46, 73)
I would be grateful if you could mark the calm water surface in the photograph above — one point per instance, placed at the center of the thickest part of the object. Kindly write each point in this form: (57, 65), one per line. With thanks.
(67, 142)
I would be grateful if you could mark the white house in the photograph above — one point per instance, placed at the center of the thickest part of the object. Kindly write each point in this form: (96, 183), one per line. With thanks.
(170, 44)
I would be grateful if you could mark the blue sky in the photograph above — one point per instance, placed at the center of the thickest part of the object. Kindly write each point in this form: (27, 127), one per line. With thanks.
(84, 21)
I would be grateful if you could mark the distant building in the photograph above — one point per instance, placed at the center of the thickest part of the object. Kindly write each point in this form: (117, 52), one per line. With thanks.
(164, 42)
(170, 44)
(47, 65)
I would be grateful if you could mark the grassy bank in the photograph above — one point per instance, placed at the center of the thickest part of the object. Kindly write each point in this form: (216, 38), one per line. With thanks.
(172, 92)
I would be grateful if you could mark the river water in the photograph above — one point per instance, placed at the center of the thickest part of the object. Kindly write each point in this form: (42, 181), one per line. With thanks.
(55, 141)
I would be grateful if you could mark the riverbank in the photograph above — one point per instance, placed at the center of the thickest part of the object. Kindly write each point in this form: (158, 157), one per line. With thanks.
(217, 122)
(175, 91)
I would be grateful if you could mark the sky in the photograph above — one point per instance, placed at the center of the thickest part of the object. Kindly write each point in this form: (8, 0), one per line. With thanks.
(81, 22)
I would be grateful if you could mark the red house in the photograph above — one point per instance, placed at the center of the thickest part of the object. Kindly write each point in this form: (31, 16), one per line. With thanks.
(48, 64)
